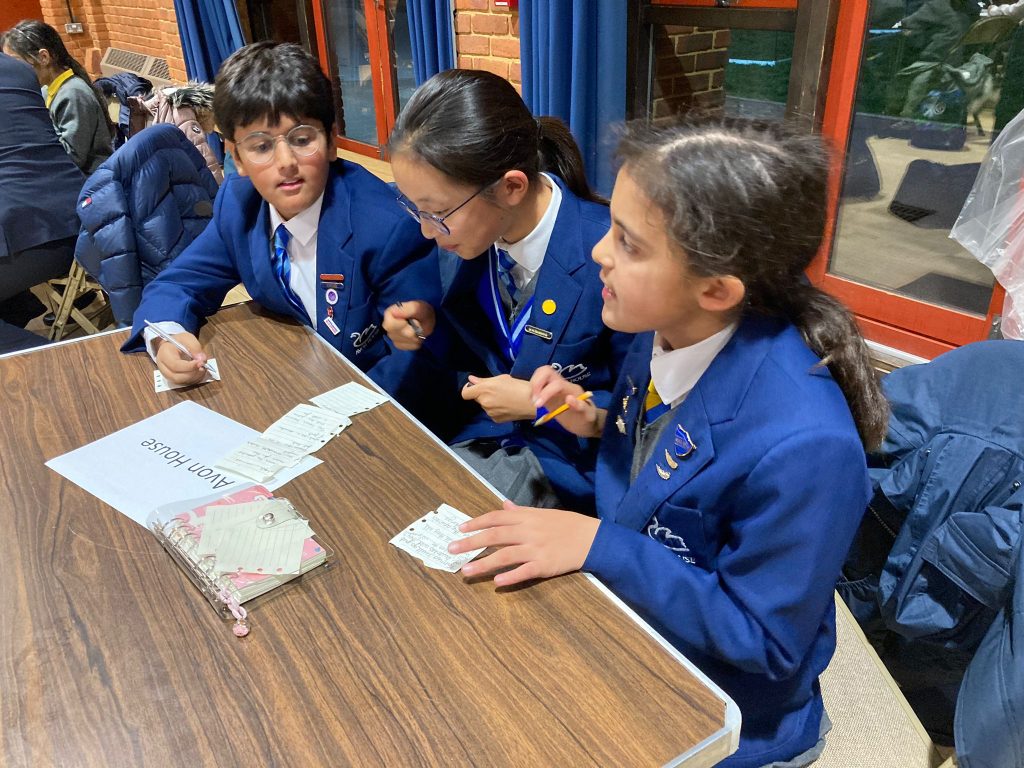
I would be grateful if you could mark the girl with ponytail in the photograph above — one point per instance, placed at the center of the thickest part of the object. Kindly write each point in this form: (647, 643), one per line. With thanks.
(78, 111)
(505, 197)
(731, 476)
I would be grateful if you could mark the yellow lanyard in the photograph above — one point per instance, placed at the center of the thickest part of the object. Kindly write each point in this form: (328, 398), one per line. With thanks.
(52, 88)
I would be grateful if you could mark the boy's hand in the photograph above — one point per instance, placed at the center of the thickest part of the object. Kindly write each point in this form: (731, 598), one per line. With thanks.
(177, 368)
(503, 397)
(541, 542)
(550, 390)
(408, 323)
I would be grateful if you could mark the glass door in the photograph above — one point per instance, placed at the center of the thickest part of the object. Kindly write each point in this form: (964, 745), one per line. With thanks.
(917, 94)
(368, 55)
(754, 58)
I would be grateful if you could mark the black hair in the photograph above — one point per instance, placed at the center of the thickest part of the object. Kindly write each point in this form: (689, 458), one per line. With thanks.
(265, 80)
(27, 37)
(748, 199)
(473, 126)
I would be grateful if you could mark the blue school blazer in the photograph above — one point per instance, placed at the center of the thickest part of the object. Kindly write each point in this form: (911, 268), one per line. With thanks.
(363, 235)
(734, 556)
(580, 346)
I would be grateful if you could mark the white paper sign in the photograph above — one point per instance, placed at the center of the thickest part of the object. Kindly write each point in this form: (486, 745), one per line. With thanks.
(167, 457)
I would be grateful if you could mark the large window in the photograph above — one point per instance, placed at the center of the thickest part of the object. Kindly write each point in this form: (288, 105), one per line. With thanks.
(911, 92)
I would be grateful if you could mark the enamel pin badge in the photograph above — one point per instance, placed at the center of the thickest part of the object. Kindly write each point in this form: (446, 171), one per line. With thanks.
(684, 445)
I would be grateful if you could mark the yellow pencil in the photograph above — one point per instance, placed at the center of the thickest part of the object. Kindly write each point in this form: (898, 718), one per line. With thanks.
(560, 409)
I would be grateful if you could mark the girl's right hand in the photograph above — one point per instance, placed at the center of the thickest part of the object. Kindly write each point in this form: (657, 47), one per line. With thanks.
(177, 368)
(551, 390)
(408, 323)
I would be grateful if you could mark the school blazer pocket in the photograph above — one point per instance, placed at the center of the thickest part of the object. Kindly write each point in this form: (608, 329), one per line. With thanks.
(364, 337)
(680, 530)
(577, 363)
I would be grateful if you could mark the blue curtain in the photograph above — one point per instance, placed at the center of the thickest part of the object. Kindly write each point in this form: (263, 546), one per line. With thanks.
(430, 31)
(574, 67)
(210, 32)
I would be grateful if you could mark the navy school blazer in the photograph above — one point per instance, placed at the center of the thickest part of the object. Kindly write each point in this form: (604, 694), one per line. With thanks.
(580, 346)
(734, 556)
(362, 235)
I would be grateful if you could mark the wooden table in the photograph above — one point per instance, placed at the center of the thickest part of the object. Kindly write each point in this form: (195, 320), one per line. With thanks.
(110, 657)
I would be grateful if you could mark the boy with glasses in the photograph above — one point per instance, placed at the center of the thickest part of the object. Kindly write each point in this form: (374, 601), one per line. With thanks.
(310, 237)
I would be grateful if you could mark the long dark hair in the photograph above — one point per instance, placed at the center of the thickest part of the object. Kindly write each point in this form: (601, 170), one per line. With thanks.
(27, 37)
(748, 199)
(473, 126)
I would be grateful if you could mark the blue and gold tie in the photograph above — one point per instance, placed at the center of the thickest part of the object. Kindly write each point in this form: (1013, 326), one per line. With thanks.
(282, 266)
(653, 406)
(505, 265)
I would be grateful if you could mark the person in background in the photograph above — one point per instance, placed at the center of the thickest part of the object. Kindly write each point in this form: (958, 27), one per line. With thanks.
(77, 109)
(39, 187)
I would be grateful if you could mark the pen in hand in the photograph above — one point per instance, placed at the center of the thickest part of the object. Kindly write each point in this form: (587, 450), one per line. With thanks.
(174, 342)
(414, 324)
(561, 409)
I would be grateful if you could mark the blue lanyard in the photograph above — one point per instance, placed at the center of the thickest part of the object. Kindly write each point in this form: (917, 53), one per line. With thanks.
(511, 337)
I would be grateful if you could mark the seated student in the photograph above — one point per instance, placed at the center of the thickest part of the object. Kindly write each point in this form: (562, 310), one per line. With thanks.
(468, 158)
(78, 111)
(732, 473)
(39, 188)
(310, 237)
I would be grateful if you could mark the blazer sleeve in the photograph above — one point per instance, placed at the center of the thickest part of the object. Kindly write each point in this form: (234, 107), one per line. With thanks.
(72, 119)
(783, 542)
(194, 285)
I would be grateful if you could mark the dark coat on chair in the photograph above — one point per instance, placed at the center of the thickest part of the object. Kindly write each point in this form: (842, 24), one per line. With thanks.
(932, 576)
(139, 210)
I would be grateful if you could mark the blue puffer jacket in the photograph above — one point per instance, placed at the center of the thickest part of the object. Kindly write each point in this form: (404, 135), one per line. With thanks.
(935, 572)
(139, 210)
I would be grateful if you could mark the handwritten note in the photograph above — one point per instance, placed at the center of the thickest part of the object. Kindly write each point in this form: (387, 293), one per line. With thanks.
(428, 538)
(349, 399)
(306, 427)
(163, 385)
(260, 459)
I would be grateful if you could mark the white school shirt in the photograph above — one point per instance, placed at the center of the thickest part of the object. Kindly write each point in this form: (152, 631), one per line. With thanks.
(675, 371)
(528, 253)
(303, 229)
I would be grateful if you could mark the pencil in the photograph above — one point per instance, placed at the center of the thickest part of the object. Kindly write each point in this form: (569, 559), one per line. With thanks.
(560, 409)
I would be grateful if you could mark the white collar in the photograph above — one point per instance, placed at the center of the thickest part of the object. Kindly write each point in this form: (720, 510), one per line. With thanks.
(302, 226)
(676, 371)
(529, 252)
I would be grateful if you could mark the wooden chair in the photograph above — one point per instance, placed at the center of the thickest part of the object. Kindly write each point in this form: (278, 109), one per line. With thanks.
(75, 285)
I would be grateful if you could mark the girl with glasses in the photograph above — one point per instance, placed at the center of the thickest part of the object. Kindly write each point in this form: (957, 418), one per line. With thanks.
(505, 197)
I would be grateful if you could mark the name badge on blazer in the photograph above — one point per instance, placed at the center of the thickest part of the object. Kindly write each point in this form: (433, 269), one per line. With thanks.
(574, 372)
(540, 333)
(365, 337)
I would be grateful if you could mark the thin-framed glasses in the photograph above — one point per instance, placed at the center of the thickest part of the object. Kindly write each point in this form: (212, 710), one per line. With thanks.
(434, 220)
(259, 147)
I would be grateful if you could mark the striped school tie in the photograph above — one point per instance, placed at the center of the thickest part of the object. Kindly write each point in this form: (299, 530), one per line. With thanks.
(282, 267)
(653, 406)
(505, 265)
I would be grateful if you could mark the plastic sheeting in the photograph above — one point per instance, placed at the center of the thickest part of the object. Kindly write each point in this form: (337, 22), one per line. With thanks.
(991, 223)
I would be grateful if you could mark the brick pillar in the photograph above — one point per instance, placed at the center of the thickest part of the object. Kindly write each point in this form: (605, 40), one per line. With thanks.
(487, 37)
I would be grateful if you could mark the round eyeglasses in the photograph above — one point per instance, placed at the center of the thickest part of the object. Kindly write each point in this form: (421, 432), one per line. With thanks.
(437, 222)
(303, 140)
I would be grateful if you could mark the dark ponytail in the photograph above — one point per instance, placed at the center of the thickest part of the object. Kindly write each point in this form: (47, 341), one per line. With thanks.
(27, 37)
(748, 199)
(473, 126)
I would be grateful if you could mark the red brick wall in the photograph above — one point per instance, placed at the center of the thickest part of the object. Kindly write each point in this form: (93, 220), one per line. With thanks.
(689, 69)
(487, 37)
(143, 26)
